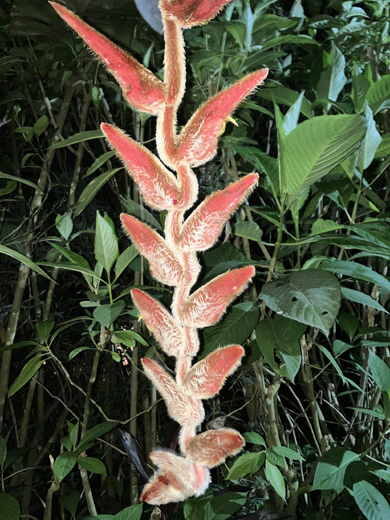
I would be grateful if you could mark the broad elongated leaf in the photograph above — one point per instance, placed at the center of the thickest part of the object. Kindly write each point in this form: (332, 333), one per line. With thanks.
(78, 138)
(246, 464)
(332, 79)
(380, 372)
(370, 143)
(91, 190)
(275, 478)
(331, 469)
(97, 431)
(19, 179)
(358, 271)
(9, 507)
(248, 230)
(281, 335)
(308, 296)
(28, 371)
(107, 314)
(106, 242)
(286, 96)
(236, 327)
(371, 502)
(64, 464)
(378, 94)
(317, 146)
(93, 465)
(99, 162)
(22, 258)
(360, 297)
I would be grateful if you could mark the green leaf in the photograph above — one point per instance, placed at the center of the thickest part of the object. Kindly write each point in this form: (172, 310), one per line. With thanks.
(23, 259)
(97, 431)
(71, 267)
(254, 438)
(107, 314)
(224, 506)
(286, 96)
(9, 507)
(248, 230)
(93, 465)
(321, 226)
(74, 433)
(371, 502)
(332, 79)
(316, 147)
(77, 351)
(368, 411)
(91, 190)
(299, 39)
(124, 260)
(380, 372)
(28, 371)
(128, 337)
(130, 513)
(331, 469)
(308, 296)
(360, 297)
(78, 138)
(248, 463)
(355, 270)
(370, 143)
(275, 478)
(41, 125)
(99, 162)
(378, 94)
(281, 336)
(106, 242)
(64, 225)
(360, 87)
(45, 327)
(349, 323)
(142, 213)
(291, 118)
(287, 452)
(70, 500)
(339, 347)
(20, 179)
(236, 327)
(64, 464)
(20, 344)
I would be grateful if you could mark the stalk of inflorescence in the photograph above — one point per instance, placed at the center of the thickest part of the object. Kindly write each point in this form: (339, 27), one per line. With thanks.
(169, 184)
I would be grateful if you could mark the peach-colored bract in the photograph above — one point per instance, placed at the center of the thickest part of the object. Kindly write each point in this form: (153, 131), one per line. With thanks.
(172, 257)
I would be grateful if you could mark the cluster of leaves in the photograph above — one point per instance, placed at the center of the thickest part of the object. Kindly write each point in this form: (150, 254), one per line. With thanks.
(312, 398)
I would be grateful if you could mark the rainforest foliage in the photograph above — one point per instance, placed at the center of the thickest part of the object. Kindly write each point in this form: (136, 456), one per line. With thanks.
(78, 416)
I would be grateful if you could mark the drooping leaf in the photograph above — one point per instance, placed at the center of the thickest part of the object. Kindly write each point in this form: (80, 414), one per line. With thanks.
(64, 464)
(360, 297)
(331, 469)
(23, 259)
(307, 296)
(9, 507)
(78, 138)
(92, 464)
(275, 478)
(91, 190)
(28, 371)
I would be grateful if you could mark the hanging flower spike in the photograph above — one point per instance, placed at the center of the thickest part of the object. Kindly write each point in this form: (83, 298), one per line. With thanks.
(164, 265)
(203, 227)
(197, 142)
(161, 323)
(183, 409)
(142, 89)
(177, 479)
(159, 187)
(206, 306)
(211, 448)
(189, 13)
(207, 377)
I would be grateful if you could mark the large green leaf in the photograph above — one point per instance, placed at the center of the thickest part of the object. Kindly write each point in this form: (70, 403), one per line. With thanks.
(248, 230)
(106, 242)
(9, 507)
(331, 469)
(235, 328)
(28, 371)
(91, 190)
(246, 464)
(107, 314)
(275, 478)
(378, 94)
(97, 431)
(124, 260)
(64, 464)
(332, 79)
(22, 258)
(362, 298)
(308, 296)
(370, 143)
(281, 336)
(371, 502)
(355, 270)
(316, 147)
(78, 138)
(380, 372)
(286, 96)
(93, 465)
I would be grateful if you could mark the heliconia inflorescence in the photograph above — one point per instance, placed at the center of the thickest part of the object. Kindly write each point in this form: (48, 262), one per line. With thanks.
(172, 258)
